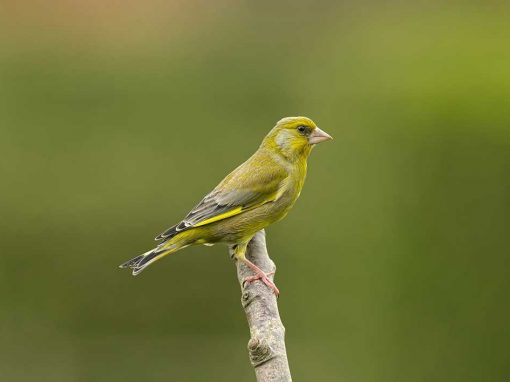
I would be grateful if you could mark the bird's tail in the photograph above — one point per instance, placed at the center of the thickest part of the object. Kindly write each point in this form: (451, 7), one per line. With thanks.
(139, 263)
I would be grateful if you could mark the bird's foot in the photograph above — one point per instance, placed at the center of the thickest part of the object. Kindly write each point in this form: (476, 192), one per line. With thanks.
(260, 275)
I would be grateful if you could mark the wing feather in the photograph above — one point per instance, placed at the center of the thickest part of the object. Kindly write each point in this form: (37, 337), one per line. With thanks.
(245, 188)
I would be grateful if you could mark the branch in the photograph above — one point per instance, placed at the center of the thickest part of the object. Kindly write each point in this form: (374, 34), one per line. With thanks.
(267, 344)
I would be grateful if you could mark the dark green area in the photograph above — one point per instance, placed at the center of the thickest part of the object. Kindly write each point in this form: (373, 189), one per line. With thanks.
(394, 264)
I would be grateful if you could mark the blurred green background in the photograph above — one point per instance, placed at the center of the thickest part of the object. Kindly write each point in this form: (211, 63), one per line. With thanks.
(117, 117)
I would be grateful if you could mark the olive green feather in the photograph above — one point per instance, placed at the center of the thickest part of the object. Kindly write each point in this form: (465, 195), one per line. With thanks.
(259, 192)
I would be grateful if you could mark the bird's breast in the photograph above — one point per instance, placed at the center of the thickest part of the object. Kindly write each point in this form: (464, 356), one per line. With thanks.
(288, 194)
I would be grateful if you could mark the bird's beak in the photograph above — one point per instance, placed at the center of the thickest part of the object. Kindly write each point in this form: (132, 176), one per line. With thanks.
(318, 136)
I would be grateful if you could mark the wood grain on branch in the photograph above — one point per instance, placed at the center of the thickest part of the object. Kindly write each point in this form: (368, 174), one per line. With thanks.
(266, 347)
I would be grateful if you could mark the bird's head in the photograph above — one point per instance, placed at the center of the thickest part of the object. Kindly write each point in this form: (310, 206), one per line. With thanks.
(294, 137)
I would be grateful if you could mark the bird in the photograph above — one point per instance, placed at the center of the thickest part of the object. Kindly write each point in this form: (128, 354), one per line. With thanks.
(259, 192)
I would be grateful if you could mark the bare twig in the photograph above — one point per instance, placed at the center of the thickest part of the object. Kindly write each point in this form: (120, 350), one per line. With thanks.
(267, 344)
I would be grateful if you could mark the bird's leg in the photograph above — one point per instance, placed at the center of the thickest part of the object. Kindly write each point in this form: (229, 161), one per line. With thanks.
(239, 253)
(249, 279)
(260, 275)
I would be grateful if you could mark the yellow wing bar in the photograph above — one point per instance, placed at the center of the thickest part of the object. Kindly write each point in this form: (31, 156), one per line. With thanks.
(222, 216)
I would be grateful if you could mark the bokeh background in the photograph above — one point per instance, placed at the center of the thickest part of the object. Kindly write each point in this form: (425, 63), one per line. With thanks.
(117, 117)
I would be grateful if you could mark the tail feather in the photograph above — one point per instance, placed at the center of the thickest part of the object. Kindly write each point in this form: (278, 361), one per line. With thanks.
(134, 261)
(148, 260)
(139, 263)
(168, 234)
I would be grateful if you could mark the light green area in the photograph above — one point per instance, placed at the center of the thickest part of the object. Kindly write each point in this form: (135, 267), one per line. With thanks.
(393, 265)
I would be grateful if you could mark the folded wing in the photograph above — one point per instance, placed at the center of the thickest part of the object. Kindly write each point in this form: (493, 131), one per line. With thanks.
(240, 191)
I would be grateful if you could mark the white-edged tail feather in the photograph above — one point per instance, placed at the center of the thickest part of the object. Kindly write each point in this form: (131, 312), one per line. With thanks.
(140, 262)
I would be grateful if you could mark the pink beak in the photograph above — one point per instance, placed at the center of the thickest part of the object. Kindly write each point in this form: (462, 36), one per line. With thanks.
(318, 136)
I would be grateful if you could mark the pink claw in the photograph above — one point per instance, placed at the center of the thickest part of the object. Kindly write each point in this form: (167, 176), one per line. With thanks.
(265, 279)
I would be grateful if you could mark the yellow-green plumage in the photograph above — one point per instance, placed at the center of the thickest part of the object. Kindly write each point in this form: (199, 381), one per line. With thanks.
(259, 192)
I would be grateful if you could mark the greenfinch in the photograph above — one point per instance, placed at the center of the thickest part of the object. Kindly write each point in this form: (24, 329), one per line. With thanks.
(259, 192)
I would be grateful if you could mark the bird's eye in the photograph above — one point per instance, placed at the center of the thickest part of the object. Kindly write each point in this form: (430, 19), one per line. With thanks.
(301, 128)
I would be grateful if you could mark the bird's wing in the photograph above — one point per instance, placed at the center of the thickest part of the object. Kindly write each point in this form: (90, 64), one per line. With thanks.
(247, 187)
